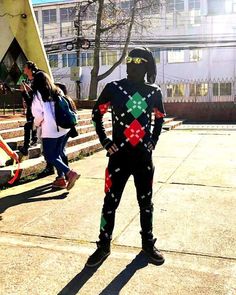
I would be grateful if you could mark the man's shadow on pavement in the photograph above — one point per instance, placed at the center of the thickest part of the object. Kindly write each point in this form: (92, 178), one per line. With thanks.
(115, 286)
(29, 196)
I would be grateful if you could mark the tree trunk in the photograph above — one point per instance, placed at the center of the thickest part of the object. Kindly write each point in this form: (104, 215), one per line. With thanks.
(96, 63)
(95, 78)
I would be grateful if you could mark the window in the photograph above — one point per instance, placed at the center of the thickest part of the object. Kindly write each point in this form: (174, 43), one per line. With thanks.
(234, 6)
(150, 8)
(156, 54)
(108, 57)
(86, 59)
(216, 7)
(11, 65)
(176, 90)
(175, 56)
(67, 14)
(201, 89)
(126, 5)
(195, 55)
(88, 12)
(49, 16)
(53, 60)
(194, 4)
(175, 5)
(221, 89)
(89, 58)
(198, 89)
(69, 60)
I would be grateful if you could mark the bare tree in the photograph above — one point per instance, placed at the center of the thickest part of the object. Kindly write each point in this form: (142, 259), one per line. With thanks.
(110, 19)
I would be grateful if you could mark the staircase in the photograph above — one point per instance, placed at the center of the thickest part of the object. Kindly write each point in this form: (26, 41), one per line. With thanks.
(12, 131)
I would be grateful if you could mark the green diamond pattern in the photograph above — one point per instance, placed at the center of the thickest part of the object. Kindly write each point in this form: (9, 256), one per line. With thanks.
(103, 222)
(137, 105)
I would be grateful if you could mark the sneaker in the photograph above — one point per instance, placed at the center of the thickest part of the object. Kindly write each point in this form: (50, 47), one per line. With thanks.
(98, 256)
(71, 176)
(24, 151)
(153, 253)
(60, 182)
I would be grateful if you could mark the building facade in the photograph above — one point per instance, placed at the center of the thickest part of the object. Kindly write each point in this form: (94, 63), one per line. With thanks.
(193, 41)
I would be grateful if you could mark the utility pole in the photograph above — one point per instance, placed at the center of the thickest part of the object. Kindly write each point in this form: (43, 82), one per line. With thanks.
(78, 43)
(78, 25)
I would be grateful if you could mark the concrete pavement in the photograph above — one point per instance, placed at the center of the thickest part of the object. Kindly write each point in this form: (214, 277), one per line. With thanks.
(47, 236)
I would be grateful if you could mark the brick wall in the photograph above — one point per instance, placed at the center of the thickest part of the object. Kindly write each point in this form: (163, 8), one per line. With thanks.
(222, 112)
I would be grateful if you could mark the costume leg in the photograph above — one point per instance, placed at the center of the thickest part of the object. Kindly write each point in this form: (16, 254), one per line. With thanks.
(117, 174)
(27, 130)
(143, 178)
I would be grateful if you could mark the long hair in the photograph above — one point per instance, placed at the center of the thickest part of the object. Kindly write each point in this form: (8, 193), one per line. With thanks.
(44, 84)
(151, 69)
(32, 66)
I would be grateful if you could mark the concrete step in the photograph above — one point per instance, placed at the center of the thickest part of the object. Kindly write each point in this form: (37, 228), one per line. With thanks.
(11, 133)
(167, 120)
(172, 124)
(11, 124)
(35, 151)
(84, 144)
(34, 166)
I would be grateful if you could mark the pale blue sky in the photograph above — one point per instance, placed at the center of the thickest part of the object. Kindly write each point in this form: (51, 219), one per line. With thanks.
(47, 1)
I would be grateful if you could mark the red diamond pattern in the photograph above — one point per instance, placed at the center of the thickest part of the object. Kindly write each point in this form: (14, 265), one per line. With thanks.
(158, 114)
(108, 182)
(134, 132)
(104, 107)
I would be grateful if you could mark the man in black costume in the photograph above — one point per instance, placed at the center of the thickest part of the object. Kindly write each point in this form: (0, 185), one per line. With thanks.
(132, 101)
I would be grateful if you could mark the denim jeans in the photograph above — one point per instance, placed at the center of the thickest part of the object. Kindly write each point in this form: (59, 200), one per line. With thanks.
(53, 153)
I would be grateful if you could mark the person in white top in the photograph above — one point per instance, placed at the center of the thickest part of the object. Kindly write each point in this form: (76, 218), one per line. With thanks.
(43, 109)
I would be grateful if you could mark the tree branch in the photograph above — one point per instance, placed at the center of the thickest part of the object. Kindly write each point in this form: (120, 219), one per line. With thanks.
(125, 49)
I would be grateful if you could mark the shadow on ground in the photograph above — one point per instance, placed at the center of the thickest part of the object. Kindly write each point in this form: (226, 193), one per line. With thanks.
(33, 195)
(115, 286)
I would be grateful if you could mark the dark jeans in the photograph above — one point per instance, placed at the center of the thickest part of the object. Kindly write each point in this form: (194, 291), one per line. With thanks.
(121, 165)
(52, 149)
(63, 152)
(29, 133)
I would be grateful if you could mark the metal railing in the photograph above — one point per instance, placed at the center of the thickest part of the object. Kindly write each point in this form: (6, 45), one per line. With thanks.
(11, 109)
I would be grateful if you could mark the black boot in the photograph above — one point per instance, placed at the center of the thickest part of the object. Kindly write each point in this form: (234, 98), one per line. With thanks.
(103, 250)
(24, 150)
(153, 253)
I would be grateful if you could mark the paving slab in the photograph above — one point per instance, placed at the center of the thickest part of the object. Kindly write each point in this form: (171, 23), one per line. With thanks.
(191, 219)
(56, 267)
(46, 236)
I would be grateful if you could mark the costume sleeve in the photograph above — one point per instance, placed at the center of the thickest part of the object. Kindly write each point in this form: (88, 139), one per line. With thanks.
(37, 109)
(100, 108)
(159, 114)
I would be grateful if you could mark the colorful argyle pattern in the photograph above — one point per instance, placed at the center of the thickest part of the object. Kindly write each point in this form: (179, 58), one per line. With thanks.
(132, 109)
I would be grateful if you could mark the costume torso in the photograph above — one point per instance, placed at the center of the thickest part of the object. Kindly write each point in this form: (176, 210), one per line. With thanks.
(131, 105)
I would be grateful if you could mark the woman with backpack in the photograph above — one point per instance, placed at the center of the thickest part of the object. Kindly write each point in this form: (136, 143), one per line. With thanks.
(53, 136)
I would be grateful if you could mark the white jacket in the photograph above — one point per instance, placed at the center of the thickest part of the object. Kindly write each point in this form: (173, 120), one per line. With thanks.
(44, 116)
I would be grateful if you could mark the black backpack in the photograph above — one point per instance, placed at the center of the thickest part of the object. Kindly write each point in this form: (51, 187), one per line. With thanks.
(65, 116)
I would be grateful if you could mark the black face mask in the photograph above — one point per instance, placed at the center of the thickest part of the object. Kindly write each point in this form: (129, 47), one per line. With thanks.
(136, 72)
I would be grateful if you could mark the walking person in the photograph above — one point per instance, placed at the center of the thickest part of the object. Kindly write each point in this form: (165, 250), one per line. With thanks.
(30, 132)
(132, 101)
(53, 137)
